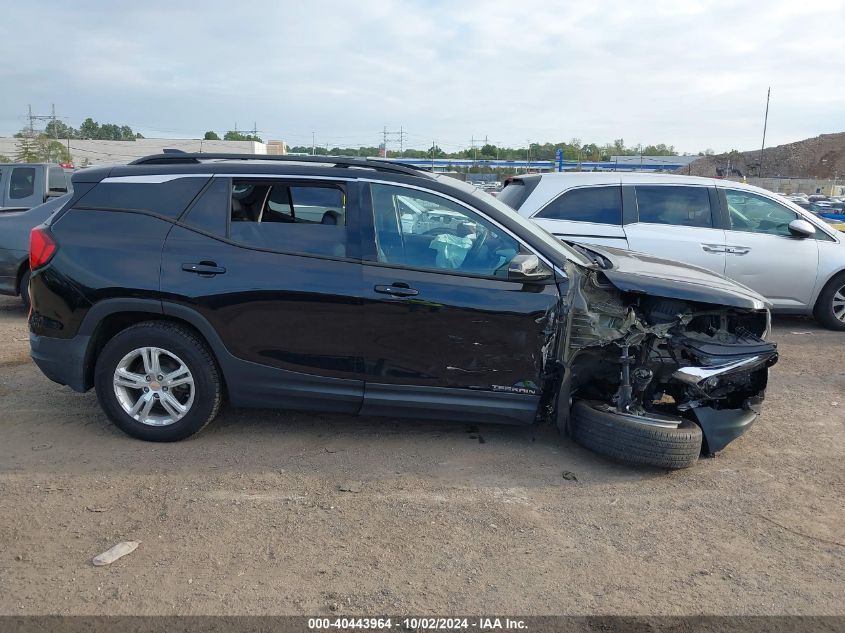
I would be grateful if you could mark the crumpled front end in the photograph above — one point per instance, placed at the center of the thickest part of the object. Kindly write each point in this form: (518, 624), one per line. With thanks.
(657, 360)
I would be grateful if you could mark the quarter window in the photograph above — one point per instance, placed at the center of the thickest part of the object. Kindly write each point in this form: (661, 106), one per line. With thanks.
(22, 183)
(756, 214)
(293, 218)
(601, 205)
(678, 206)
(421, 230)
(168, 199)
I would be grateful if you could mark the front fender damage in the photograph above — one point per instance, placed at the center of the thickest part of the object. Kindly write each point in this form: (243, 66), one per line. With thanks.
(654, 357)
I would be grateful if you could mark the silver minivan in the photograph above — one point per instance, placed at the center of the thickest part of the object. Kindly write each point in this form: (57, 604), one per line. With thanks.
(789, 255)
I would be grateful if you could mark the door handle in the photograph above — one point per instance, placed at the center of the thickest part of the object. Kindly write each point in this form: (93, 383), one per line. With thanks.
(738, 250)
(205, 269)
(397, 291)
(713, 248)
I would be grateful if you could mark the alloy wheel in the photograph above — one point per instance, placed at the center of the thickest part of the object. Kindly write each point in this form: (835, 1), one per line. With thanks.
(154, 386)
(838, 304)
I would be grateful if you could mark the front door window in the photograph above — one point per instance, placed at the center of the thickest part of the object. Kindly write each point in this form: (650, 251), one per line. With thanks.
(756, 214)
(422, 230)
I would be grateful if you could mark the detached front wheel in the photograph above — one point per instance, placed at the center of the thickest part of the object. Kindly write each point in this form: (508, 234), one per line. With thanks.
(656, 441)
(158, 381)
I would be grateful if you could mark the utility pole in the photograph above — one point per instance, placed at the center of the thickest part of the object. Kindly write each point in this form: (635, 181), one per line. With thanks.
(313, 142)
(401, 134)
(433, 145)
(528, 156)
(765, 123)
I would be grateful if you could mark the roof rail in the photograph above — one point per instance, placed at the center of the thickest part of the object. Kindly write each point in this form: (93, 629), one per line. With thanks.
(171, 158)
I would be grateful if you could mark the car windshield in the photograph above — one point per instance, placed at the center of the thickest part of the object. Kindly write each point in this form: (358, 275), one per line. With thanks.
(530, 227)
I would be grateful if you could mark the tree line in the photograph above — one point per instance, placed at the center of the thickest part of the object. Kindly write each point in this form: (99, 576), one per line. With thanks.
(88, 129)
(573, 150)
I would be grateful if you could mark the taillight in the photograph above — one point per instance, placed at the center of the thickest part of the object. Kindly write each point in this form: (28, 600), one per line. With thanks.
(42, 247)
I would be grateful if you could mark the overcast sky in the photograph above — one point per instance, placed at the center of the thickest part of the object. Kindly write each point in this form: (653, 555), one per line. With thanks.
(687, 73)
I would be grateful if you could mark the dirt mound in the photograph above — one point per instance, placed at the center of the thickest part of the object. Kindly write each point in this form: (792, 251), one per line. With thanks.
(819, 157)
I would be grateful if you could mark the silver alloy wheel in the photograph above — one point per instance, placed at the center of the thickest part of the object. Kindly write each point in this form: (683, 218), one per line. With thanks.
(154, 386)
(838, 304)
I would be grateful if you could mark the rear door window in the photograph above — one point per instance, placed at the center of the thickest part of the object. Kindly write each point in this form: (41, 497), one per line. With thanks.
(600, 205)
(56, 180)
(289, 217)
(22, 183)
(674, 205)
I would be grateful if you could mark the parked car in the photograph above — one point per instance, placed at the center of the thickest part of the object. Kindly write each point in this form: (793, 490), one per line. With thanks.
(26, 185)
(172, 282)
(15, 227)
(787, 254)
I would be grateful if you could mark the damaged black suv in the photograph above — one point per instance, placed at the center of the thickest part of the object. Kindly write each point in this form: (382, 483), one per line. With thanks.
(371, 287)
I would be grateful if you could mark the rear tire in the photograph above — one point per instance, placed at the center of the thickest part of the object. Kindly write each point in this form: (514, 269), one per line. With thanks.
(626, 440)
(830, 306)
(24, 289)
(183, 361)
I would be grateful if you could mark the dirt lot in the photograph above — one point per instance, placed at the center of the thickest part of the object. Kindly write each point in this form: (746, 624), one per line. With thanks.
(250, 515)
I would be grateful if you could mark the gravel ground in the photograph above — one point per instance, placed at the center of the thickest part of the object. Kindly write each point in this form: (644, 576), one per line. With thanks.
(269, 512)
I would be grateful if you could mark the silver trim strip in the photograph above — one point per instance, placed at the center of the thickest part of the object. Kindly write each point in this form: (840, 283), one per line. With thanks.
(285, 177)
(151, 179)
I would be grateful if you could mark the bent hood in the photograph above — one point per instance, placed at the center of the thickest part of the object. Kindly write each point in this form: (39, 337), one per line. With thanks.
(637, 272)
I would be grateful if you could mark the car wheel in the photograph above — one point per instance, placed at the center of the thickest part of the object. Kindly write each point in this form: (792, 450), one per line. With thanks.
(24, 288)
(830, 307)
(158, 381)
(626, 439)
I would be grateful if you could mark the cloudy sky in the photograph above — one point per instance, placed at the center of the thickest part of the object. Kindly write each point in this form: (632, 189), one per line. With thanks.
(687, 73)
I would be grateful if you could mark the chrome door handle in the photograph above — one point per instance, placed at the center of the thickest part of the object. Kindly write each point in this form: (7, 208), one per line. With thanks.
(738, 250)
(713, 248)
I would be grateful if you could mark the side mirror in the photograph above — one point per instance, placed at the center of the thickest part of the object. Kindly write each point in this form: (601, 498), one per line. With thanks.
(801, 228)
(527, 269)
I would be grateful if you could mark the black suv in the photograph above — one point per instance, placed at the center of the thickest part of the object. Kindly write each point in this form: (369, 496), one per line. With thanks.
(370, 287)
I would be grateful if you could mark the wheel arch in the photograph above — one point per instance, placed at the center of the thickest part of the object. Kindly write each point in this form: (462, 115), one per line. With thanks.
(108, 318)
(23, 267)
(824, 284)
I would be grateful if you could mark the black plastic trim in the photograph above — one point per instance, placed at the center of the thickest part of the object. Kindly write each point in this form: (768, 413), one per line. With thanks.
(338, 161)
(630, 210)
(444, 403)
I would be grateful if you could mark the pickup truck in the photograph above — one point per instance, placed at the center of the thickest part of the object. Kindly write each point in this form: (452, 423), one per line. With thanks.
(26, 185)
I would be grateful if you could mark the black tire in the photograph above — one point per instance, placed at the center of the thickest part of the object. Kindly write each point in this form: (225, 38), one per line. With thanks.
(626, 440)
(192, 351)
(824, 304)
(24, 288)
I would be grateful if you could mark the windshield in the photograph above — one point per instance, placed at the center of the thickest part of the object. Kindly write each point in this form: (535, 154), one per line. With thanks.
(527, 225)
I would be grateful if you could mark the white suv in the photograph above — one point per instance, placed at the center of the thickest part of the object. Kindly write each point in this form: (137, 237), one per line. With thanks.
(789, 255)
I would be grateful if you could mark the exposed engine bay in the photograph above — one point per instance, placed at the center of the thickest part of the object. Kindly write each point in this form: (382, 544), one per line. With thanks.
(661, 361)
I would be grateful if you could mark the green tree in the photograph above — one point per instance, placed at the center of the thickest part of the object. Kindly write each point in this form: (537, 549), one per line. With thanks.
(59, 129)
(211, 136)
(51, 151)
(27, 151)
(234, 135)
(89, 129)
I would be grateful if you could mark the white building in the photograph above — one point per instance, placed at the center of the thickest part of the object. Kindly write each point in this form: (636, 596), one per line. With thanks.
(90, 152)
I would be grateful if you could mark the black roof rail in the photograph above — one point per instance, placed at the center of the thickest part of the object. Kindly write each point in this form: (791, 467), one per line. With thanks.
(175, 158)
